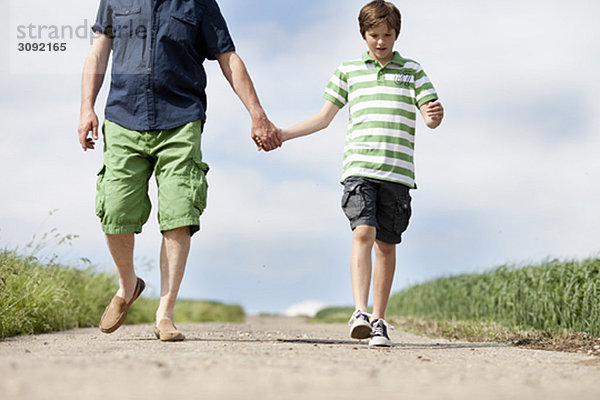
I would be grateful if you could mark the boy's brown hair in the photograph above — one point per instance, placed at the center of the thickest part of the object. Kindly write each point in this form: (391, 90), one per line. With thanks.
(377, 12)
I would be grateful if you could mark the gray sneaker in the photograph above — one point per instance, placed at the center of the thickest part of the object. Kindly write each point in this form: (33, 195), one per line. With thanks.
(360, 327)
(380, 336)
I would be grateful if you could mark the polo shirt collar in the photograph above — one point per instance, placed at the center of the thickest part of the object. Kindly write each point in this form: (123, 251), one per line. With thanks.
(397, 59)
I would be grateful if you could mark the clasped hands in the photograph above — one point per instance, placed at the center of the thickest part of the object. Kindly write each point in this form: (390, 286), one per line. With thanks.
(266, 135)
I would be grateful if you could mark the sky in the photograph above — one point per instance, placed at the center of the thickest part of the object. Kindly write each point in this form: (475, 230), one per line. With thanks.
(511, 176)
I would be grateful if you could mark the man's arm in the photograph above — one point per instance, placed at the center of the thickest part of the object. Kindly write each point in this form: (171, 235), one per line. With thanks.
(312, 124)
(433, 114)
(91, 82)
(264, 133)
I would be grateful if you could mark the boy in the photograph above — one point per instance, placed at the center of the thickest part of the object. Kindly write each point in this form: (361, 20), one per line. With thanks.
(382, 90)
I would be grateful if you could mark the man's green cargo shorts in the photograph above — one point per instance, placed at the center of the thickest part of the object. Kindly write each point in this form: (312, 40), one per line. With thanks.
(130, 158)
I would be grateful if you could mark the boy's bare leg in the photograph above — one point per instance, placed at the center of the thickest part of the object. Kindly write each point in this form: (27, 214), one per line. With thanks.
(121, 249)
(173, 257)
(363, 237)
(383, 276)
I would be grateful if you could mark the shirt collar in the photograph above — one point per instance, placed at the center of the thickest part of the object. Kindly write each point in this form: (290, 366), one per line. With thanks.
(397, 59)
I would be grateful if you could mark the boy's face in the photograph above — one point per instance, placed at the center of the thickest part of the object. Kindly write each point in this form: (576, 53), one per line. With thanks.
(380, 40)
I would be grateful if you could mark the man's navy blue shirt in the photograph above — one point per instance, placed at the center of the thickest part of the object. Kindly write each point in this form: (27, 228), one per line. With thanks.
(158, 48)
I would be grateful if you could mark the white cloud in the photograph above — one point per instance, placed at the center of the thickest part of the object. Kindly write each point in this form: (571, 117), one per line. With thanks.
(306, 308)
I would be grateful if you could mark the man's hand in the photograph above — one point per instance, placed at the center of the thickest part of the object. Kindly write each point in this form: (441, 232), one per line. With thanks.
(91, 82)
(265, 134)
(88, 122)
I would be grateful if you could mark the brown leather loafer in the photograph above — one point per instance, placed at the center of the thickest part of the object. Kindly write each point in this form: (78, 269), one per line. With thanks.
(117, 310)
(167, 332)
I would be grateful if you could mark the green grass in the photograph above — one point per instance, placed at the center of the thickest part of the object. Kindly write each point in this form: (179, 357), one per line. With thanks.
(471, 330)
(333, 314)
(554, 306)
(555, 296)
(37, 297)
(143, 311)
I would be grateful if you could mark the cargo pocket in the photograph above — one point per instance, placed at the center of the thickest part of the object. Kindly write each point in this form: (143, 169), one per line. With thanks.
(352, 200)
(100, 196)
(403, 213)
(200, 185)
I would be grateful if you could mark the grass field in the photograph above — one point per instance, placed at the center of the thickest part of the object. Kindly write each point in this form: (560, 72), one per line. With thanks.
(38, 297)
(554, 305)
(554, 296)
(143, 311)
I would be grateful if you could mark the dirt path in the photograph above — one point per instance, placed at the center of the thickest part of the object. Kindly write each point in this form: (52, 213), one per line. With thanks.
(282, 358)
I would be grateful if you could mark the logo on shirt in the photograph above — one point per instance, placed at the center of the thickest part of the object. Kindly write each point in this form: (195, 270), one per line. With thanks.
(403, 79)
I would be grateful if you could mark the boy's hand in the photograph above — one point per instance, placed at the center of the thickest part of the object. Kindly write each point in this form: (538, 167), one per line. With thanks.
(435, 110)
(433, 113)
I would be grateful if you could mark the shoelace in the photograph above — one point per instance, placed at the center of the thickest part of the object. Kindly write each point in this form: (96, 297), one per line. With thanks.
(378, 327)
(356, 314)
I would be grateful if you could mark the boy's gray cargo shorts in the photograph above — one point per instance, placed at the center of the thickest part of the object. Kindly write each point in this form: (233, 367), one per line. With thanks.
(381, 204)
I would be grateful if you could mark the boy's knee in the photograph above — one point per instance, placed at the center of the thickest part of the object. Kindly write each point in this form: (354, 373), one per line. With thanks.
(386, 249)
(364, 234)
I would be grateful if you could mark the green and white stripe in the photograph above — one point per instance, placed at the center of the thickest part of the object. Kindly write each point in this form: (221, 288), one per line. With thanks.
(383, 103)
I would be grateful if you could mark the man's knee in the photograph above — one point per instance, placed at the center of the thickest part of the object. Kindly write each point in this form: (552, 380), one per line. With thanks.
(183, 231)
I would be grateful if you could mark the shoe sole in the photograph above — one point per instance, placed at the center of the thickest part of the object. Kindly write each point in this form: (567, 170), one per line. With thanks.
(179, 337)
(361, 331)
(171, 337)
(380, 342)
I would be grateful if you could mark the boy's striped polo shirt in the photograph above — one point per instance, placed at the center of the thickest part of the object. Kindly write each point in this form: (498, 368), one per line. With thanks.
(383, 106)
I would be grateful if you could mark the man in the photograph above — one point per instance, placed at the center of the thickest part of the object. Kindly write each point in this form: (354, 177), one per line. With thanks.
(155, 114)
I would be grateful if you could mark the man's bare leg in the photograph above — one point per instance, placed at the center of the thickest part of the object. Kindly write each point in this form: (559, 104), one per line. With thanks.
(121, 249)
(173, 257)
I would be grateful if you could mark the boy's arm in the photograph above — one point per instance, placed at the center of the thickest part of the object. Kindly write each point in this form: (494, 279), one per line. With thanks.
(433, 113)
(91, 82)
(313, 124)
(264, 133)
